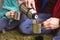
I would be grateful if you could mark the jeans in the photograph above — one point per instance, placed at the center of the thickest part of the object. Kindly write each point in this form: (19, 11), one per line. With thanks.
(6, 25)
(57, 35)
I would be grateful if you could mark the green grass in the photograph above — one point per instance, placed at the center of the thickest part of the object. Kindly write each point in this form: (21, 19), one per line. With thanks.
(15, 35)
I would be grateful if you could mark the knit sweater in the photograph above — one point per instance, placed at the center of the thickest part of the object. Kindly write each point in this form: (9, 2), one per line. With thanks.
(56, 12)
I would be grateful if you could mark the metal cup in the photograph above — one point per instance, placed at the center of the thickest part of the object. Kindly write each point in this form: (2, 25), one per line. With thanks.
(36, 27)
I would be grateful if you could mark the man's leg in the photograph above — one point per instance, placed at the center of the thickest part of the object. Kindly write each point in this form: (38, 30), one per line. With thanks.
(26, 26)
(3, 24)
(12, 25)
(57, 35)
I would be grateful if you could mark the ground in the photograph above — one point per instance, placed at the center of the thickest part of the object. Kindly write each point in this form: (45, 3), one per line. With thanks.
(15, 35)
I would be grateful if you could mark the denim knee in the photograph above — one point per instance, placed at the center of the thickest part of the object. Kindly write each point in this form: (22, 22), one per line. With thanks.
(26, 27)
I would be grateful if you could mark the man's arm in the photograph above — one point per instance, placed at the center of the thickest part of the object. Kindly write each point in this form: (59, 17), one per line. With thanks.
(54, 20)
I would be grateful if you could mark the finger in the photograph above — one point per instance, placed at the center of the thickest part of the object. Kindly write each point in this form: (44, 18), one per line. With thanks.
(29, 4)
(47, 27)
(12, 14)
(26, 2)
(33, 5)
(46, 24)
(54, 26)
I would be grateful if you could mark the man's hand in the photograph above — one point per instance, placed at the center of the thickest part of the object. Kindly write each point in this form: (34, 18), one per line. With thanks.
(47, 24)
(30, 4)
(51, 23)
(10, 14)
